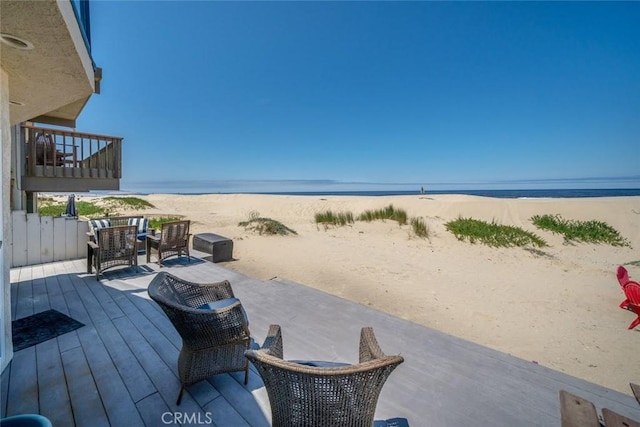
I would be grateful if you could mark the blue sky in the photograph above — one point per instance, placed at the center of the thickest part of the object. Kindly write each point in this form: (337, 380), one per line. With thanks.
(295, 96)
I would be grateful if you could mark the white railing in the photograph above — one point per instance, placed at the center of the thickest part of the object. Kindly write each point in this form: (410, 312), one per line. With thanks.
(39, 239)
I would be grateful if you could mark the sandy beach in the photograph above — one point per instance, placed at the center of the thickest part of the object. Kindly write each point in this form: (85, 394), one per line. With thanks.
(556, 306)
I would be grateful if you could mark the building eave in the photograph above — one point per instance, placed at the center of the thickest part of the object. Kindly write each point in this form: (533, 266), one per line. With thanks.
(54, 80)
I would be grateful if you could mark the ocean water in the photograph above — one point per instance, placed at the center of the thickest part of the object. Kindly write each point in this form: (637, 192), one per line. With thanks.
(198, 189)
(502, 194)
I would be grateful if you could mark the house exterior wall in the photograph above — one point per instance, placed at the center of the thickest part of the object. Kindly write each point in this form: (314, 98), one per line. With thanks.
(53, 79)
(6, 346)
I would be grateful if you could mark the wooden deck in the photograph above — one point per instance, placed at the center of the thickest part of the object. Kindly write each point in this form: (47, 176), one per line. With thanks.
(120, 369)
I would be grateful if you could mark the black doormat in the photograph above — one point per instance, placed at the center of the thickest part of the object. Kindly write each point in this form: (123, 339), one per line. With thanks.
(41, 327)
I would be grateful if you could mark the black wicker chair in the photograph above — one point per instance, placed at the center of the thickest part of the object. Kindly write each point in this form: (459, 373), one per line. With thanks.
(113, 246)
(318, 394)
(213, 340)
(173, 240)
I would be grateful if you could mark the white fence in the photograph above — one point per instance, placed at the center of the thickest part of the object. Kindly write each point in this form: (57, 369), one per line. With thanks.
(36, 239)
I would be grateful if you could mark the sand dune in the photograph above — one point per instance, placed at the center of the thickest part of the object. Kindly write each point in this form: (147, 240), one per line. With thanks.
(557, 306)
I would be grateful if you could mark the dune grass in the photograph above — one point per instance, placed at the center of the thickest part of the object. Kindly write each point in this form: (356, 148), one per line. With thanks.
(389, 212)
(328, 218)
(420, 228)
(128, 202)
(492, 234)
(580, 231)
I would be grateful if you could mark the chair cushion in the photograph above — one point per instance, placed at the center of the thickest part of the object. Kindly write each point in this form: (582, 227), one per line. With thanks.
(223, 303)
(320, 363)
(97, 224)
(142, 223)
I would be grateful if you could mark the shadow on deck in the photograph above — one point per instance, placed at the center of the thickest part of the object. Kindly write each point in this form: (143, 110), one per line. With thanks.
(120, 369)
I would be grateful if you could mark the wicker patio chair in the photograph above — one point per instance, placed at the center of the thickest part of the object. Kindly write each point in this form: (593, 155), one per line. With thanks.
(323, 393)
(213, 340)
(173, 240)
(113, 246)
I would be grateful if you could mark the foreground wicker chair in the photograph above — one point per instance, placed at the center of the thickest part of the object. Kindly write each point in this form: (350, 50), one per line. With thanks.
(213, 340)
(113, 246)
(323, 395)
(173, 240)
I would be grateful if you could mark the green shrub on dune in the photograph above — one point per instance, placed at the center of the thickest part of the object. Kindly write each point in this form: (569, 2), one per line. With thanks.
(265, 225)
(580, 231)
(128, 202)
(492, 234)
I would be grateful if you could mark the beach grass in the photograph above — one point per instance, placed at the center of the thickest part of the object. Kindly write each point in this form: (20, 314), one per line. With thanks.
(388, 212)
(330, 218)
(580, 231)
(492, 234)
(420, 228)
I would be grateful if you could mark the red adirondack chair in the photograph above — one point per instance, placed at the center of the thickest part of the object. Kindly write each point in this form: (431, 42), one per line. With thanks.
(623, 279)
(632, 292)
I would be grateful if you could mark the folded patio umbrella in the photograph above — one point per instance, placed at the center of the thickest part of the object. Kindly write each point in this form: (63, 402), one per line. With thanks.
(71, 210)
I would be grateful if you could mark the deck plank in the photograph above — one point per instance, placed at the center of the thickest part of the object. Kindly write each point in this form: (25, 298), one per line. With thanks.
(136, 380)
(88, 300)
(120, 408)
(23, 384)
(221, 413)
(128, 352)
(24, 296)
(167, 349)
(163, 376)
(54, 397)
(83, 393)
(54, 292)
(63, 271)
(76, 307)
(40, 293)
(107, 304)
(152, 409)
(240, 398)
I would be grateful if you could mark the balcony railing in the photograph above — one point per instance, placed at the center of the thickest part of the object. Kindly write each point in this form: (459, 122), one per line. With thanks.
(60, 160)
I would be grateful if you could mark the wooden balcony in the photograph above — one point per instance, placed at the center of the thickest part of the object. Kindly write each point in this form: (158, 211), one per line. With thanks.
(121, 367)
(60, 160)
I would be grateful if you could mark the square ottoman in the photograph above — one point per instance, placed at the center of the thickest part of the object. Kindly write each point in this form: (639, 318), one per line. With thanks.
(220, 247)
